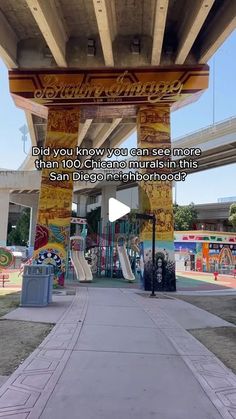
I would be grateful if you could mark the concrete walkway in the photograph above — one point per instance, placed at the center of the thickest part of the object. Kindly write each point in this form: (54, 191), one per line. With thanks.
(50, 314)
(117, 354)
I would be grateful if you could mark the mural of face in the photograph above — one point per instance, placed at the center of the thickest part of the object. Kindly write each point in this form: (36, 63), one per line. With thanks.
(159, 278)
(159, 262)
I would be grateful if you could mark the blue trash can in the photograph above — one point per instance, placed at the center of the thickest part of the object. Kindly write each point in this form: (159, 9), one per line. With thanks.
(35, 286)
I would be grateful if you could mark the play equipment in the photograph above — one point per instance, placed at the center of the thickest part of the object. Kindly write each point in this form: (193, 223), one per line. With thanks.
(117, 251)
(81, 266)
(113, 253)
(124, 259)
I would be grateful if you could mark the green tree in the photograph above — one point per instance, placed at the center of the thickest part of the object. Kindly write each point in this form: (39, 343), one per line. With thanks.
(184, 217)
(19, 236)
(232, 215)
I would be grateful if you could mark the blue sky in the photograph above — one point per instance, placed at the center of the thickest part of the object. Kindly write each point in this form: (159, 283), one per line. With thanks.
(201, 187)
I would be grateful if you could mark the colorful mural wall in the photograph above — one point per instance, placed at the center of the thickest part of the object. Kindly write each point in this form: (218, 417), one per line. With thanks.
(212, 250)
(156, 198)
(54, 213)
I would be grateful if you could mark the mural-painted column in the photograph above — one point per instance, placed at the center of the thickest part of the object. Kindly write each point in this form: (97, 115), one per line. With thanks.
(155, 197)
(54, 211)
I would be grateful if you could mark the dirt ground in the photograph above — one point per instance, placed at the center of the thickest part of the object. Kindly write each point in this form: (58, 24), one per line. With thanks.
(219, 340)
(18, 338)
(8, 301)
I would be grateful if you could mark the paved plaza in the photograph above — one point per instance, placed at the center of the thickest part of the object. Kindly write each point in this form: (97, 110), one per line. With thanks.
(116, 353)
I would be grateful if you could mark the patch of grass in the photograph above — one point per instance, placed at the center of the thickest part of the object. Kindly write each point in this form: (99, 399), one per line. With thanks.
(18, 340)
(9, 302)
(221, 341)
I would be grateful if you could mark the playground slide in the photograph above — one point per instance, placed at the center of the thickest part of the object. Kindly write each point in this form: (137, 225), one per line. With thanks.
(78, 266)
(125, 264)
(85, 266)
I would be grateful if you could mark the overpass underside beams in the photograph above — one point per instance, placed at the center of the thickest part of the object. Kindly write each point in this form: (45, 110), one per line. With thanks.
(155, 197)
(55, 201)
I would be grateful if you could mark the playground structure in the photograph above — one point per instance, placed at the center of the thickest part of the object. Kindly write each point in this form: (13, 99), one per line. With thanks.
(77, 250)
(81, 266)
(117, 249)
(124, 260)
(109, 257)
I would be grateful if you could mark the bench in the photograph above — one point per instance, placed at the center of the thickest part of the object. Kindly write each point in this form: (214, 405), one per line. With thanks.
(4, 278)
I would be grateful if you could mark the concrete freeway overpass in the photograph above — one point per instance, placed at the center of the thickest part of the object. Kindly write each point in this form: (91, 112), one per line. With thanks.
(217, 143)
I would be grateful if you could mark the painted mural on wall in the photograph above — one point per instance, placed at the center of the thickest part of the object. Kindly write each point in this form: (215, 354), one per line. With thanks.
(108, 86)
(220, 254)
(156, 198)
(209, 236)
(6, 258)
(212, 250)
(54, 213)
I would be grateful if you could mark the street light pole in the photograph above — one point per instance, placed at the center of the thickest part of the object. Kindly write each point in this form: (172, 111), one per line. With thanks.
(24, 131)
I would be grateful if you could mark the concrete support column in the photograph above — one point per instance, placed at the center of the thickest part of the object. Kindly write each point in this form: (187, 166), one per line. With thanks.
(155, 197)
(108, 191)
(4, 210)
(81, 205)
(81, 201)
(55, 201)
